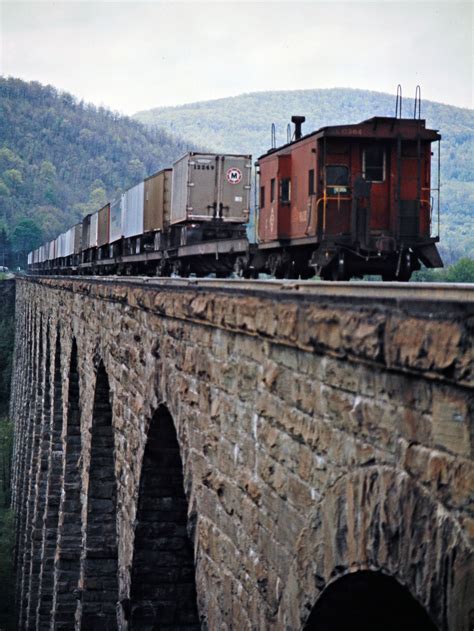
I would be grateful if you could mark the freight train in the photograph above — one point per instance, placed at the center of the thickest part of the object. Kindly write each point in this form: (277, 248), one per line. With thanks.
(340, 202)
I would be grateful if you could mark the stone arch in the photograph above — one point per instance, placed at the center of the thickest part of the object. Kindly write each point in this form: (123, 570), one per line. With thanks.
(367, 601)
(35, 419)
(52, 401)
(377, 518)
(100, 572)
(42, 467)
(162, 579)
(63, 517)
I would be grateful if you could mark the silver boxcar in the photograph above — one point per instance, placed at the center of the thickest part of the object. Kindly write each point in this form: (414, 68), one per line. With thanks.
(69, 242)
(94, 230)
(209, 186)
(132, 211)
(115, 228)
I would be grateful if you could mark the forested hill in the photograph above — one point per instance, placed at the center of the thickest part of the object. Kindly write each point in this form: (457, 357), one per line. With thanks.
(242, 124)
(61, 158)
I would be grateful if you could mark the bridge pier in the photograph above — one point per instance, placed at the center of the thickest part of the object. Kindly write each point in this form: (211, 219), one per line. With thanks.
(246, 448)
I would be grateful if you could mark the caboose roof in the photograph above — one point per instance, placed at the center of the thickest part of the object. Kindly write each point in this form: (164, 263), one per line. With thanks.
(377, 128)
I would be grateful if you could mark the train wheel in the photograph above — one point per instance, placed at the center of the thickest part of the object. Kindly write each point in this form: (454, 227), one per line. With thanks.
(336, 270)
(405, 268)
(242, 269)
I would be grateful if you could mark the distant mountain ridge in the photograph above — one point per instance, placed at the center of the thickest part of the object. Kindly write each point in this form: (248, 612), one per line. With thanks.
(242, 124)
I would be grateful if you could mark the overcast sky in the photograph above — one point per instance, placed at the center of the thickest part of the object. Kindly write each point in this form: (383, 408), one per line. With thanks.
(132, 56)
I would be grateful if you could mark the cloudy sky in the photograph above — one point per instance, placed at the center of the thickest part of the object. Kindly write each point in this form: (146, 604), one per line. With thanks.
(132, 56)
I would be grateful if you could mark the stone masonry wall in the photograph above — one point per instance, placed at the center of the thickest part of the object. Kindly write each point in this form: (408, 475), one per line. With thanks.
(319, 436)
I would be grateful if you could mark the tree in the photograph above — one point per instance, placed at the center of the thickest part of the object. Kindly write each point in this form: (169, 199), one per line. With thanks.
(98, 198)
(461, 272)
(5, 246)
(9, 159)
(26, 236)
(13, 178)
(137, 170)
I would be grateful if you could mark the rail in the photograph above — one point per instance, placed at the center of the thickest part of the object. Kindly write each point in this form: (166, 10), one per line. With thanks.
(380, 291)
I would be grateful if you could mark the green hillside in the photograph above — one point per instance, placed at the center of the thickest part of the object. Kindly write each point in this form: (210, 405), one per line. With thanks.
(242, 124)
(61, 158)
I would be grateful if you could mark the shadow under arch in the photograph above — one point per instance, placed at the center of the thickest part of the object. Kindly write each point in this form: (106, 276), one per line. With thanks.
(64, 537)
(367, 601)
(100, 589)
(163, 589)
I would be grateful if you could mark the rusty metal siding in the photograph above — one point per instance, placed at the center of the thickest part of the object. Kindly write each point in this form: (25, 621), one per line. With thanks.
(157, 201)
(330, 213)
(77, 238)
(103, 225)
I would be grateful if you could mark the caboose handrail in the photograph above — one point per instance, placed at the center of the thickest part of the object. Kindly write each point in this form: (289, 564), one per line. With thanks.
(417, 102)
(398, 103)
(325, 198)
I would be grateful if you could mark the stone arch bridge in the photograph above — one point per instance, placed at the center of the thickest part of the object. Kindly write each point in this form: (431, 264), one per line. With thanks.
(199, 455)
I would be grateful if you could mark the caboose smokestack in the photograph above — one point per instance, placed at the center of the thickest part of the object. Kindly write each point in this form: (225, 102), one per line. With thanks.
(298, 121)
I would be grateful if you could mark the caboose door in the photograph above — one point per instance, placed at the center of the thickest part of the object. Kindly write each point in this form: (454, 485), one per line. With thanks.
(376, 170)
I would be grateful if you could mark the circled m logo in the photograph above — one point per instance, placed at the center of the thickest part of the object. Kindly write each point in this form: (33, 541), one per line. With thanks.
(234, 175)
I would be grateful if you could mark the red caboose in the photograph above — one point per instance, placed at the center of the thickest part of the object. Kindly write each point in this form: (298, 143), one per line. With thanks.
(349, 200)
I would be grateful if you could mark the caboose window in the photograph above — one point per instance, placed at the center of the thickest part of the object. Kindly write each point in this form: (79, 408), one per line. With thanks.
(285, 190)
(262, 197)
(311, 190)
(272, 189)
(373, 164)
(337, 175)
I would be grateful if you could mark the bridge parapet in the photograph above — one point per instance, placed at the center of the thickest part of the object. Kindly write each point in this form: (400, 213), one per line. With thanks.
(322, 431)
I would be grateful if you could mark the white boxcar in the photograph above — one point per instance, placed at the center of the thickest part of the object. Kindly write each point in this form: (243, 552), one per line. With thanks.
(132, 210)
(50, 251)
(30, 258)
(116, 232)
(93, 231)
(209, 186)
(42, 254)
(69, 242)
(62, 245)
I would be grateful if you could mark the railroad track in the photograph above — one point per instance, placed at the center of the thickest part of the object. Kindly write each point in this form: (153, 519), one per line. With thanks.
(444, 292)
